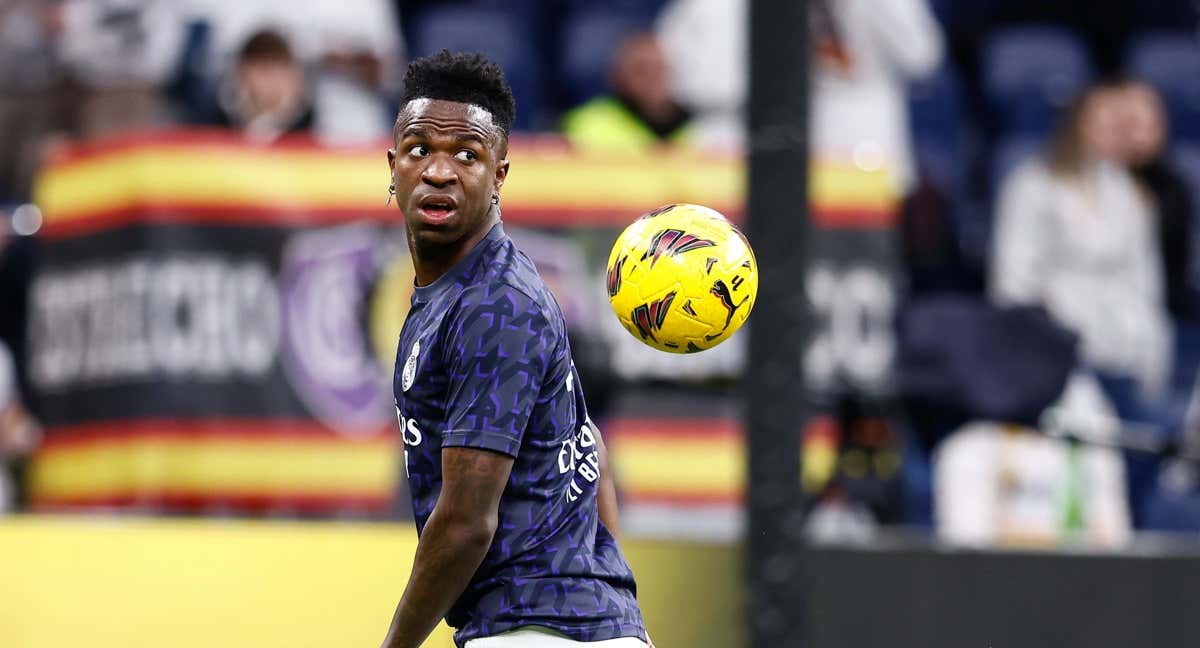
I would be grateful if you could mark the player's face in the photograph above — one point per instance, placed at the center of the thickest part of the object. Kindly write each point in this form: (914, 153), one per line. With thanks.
(447, 164)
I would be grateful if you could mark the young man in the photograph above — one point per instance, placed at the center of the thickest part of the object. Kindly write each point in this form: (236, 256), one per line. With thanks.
(504, 467)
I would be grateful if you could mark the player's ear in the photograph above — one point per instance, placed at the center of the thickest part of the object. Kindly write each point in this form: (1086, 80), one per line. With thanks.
(392, 159)
(501, 175)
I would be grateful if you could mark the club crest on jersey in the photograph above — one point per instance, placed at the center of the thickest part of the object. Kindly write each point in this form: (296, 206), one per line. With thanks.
(672, 242)
(410, 367)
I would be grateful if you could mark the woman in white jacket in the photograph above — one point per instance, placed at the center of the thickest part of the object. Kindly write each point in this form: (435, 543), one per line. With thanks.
(1076, 235)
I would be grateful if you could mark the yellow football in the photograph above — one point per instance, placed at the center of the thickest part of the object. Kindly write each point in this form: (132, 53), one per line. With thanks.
(682, 278)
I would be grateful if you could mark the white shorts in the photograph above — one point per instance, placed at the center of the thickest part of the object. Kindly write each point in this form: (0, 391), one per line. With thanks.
(545, 638)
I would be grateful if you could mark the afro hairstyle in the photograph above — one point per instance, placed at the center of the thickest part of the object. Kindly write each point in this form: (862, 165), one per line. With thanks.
(462, 78)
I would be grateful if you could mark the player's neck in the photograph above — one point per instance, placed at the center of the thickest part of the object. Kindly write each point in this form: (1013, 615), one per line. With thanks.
(430, 263)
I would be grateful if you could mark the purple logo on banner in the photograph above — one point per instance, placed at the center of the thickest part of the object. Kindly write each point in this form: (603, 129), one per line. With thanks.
(325, 280)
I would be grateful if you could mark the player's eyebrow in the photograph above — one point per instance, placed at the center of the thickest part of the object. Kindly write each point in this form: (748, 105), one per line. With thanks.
(470, 137)
(415, 131)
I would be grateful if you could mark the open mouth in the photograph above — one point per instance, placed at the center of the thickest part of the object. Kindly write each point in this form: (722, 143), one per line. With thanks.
(437, 209)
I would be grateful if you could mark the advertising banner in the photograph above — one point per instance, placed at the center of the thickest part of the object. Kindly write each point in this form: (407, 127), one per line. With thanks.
(213, 326)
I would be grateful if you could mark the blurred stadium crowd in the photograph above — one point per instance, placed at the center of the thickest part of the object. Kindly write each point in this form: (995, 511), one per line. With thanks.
(1046, 154)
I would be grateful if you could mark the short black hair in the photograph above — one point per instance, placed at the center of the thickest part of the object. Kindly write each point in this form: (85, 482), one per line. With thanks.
(464, 78)
(266, 45)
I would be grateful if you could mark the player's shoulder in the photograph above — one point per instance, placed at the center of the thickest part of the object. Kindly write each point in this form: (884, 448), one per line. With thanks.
(509, 277)
(509, 271)
(503, 296)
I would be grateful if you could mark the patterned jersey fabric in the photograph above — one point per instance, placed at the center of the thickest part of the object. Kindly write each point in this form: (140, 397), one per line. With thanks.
(483, 362)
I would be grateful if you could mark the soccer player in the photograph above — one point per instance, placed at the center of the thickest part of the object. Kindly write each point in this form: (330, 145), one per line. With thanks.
(507, 474)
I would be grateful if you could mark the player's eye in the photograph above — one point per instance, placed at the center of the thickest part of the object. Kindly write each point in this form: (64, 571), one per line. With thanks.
(419, 150)
(466, 155)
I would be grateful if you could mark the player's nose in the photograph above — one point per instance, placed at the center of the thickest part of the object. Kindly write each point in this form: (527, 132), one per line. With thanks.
(439, 172)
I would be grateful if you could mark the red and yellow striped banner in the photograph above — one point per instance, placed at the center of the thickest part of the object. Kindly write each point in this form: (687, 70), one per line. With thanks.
(190, 464)
(683, 461)
(202, 177)
(199, 177)
(702, 461)
(214, 177)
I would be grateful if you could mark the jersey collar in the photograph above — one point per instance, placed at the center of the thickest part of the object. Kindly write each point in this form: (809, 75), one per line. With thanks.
(422, 294)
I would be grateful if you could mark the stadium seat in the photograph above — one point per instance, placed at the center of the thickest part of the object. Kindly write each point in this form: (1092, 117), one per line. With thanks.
(1172, 512)
(1171, 62)
(1029, 74)
(1187, 355)
(1163, 510)
(642, 10)
(529, 9)
(942, 164)
(973, 219)
(1185, 374)
(503, 36)
(955, 13)
(191, 86)
(1008, 155)
(916, 478)
(935, 105)
(589, 39)
(1166, 14)
(1186, 157)
(976, 217)
(1187, 162)
(936, 120)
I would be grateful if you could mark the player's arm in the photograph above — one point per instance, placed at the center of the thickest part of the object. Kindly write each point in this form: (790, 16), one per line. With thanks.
(606, 495)
(454, 542)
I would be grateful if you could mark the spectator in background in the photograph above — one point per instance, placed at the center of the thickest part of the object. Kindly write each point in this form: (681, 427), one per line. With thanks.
(79, 68)
(997, 484)
(865, 51)
(266, 95)
(1076, 235)
(352, 50)
(119, 53)
(30, 107)
(1146, 135)
(360, 60)
(640, 113)
(707, 59)
(864, 54)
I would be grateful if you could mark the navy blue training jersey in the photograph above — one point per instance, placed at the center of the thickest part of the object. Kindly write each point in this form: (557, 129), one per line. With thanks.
(484, 363)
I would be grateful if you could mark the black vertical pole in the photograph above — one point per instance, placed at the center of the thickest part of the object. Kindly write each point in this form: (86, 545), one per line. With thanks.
(776, 409)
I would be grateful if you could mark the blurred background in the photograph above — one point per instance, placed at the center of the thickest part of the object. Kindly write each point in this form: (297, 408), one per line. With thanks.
(201, 291)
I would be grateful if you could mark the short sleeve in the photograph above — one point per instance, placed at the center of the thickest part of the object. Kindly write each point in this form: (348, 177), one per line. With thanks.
(496, 355)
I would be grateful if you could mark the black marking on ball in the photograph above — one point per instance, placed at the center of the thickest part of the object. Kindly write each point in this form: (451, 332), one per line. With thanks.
(656, 212)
